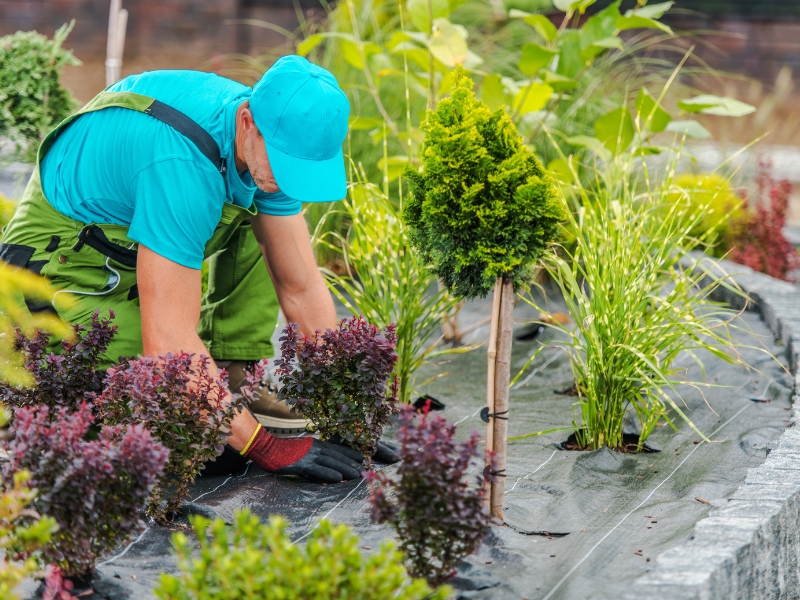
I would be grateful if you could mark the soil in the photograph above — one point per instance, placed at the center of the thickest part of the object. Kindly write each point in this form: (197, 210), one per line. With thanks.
(630, 445)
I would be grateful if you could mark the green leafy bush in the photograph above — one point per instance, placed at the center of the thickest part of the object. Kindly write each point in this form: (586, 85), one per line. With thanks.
(32, 99)
(254, 560)
(483, 206)
(22, 532)
(721, 207)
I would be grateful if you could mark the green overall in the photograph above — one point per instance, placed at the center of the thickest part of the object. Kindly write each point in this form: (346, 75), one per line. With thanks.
(238, 312)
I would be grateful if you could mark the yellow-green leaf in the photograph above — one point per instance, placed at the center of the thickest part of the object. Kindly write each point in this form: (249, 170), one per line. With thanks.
(615, 129)
(558, 82)
(540, 23)
(651, 114)
(651, 11)
(532, 97)
(534, 58)
(308, 44)
(418, 12)
(635, 21)
(716, 105)
(447, 43)
(363, 123)
(492, 91)
(691, 129)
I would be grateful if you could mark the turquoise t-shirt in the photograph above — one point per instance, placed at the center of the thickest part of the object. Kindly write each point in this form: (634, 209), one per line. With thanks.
(123, 167)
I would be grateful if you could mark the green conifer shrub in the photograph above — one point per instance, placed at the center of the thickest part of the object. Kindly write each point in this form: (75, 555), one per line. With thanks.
(255, 560)
(483, 206)
(32, 99)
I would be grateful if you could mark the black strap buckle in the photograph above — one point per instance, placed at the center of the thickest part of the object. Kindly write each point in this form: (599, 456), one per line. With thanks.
(93, 236)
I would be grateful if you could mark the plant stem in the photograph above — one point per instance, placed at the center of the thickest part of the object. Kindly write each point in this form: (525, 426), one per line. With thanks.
(431, 66)
(502, 377)
(491, 355)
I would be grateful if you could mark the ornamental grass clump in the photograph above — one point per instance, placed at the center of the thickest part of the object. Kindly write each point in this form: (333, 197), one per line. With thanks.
(638, 299)
(439, 517)
(340, 380)
(185, 407)
(94, 490)
(68, 378)
(250, 559)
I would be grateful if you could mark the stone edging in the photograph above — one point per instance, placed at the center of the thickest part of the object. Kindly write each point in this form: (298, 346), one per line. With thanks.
(750, 549)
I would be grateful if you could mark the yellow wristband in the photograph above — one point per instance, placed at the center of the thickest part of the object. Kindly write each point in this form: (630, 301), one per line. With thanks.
(250, 443)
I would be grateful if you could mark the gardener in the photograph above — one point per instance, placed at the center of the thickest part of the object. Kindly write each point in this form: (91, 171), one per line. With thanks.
(167, 168)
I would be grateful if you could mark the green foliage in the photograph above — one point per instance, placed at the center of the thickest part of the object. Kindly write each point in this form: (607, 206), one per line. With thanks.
(255, 560)
(16, 285)
(483, 206)
(387, 283)
(7, 208)
(22, 532)
(635, 301)
(722, 209)
(32, 100)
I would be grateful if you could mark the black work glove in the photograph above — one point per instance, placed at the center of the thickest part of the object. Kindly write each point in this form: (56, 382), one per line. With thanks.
(385, 453)
(327, 463)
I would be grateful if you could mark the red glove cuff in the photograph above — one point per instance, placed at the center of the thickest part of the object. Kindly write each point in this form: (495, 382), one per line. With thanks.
(271, 453)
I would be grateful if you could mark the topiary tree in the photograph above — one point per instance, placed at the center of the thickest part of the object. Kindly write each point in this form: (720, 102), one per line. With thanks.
(32, 99)
(481, 213)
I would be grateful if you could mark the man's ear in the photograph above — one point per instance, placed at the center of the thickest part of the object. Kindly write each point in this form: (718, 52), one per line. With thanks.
(246, 118)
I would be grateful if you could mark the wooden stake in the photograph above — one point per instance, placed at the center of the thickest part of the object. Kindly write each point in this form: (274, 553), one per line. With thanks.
(502, 378)
(492, 357)
(117, 25)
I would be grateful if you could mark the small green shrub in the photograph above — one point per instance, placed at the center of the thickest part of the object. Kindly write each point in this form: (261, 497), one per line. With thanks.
(721, 207)
(255, 560)
(22, 532)
(32, 99)
(483, 206)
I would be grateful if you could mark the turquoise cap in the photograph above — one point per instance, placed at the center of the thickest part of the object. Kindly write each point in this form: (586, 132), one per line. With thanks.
(303, 114)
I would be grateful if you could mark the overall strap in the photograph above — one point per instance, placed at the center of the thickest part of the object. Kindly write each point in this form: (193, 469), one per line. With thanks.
(189, 129)
(180, 122)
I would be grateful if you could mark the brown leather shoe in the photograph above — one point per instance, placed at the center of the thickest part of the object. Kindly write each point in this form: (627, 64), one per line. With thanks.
(273, 414)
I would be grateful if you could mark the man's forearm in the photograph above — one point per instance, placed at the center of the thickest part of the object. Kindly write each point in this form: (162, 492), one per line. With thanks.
(312, 308)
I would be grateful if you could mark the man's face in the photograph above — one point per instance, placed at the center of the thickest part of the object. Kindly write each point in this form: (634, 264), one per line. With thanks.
(255, 155)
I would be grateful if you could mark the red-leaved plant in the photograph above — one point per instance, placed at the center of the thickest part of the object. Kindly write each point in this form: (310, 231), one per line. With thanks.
(184, 406)
(66, 379)
(758, 240)
(340, 380)
(93, 489)
(438, 516)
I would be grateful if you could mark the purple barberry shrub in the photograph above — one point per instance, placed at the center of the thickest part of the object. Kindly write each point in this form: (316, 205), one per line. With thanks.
(186, 408)
(93, 489)
(340, 380)
(65, 379)
(438, 516)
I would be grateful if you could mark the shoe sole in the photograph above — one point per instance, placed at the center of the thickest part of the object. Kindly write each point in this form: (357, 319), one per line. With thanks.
(275, 425)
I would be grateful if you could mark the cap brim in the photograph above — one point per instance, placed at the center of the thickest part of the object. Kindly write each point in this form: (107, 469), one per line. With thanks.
(308, 180)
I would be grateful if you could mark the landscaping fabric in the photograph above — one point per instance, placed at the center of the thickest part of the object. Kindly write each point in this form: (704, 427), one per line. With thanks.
(578, 524)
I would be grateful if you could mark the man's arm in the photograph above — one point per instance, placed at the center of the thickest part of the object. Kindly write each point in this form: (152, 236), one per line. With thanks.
(302, 293)
(169, 297)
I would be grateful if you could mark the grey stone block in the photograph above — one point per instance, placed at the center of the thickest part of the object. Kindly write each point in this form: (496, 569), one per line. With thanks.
(749, 548)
